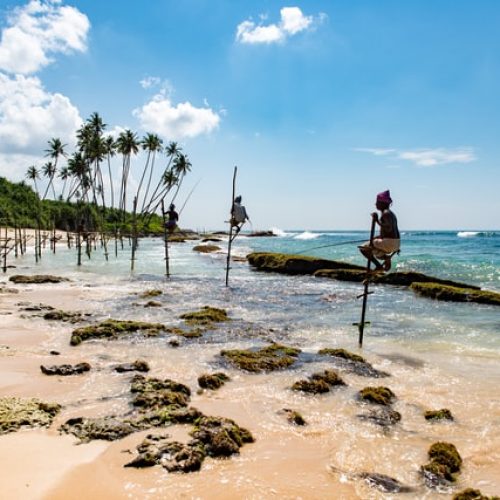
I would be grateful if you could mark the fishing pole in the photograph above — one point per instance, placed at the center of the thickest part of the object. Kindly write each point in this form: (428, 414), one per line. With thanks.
(189, 196)
(332, 245)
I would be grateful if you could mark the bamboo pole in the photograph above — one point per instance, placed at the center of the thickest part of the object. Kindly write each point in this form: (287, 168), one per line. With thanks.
(361, 325)
(165, 238)
(230, 241)
(134, 234)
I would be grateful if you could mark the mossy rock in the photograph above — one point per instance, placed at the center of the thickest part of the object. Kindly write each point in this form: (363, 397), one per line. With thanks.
(212, 381)
(153, 303)
(17, 412)
(109, 428)
(445, 463)
(378, 395)
(36, 279)
(331, 377)
(150, 293)
(294, 264)
(65, 370)
(112, 329)
(205, 316)
(443, 414)
(456, 294)
(385, 483)
(472, 494)
(269, 358)
(385, 417)
(342, 353)
(138, 365)
(67, 317)
(206, 248)
(353, 275)
(294, 417)
(221, 437)
(311, 386)
(154, 393)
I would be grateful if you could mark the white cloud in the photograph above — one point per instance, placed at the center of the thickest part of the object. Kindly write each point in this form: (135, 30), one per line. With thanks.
(292, 21)
(30, 116)
(150, 81)
(426, 157)
(176, 122)
(39, 29)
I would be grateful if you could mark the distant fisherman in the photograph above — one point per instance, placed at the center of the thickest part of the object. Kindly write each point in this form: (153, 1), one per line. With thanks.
(387, 243)
(238, 215)
(172, 218)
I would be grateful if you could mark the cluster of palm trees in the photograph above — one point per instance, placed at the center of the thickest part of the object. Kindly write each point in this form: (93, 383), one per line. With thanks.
(83, 180)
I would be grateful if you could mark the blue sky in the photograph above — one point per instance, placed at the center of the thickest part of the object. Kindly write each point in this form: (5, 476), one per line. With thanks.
(320, 104)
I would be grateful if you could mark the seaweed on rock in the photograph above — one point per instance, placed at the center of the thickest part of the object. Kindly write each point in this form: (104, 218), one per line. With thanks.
(456, 294)
(352, 363)
(472, 494)
(445, 463)
(36, 279)
(212, 381)
(65, 370)
(377, 395)
(205, 316)
(17, 412)
(443, 414)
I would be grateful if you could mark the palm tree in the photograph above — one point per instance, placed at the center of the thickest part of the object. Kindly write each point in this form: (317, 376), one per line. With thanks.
(33, 174)
(64, 174)
(126, 144)
(49, 170)
(110, 149)
(152, 144)
(80, 172)
(56, 149)
(181, 167)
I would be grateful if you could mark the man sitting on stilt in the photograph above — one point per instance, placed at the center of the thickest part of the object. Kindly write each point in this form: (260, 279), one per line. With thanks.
(387, 243)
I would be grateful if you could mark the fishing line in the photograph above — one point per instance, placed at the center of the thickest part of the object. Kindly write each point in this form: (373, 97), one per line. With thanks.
(331, 245)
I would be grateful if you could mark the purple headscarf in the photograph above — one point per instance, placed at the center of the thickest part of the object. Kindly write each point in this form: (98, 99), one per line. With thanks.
(385, 197)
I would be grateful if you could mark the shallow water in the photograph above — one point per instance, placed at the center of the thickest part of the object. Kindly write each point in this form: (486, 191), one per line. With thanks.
(438, 354)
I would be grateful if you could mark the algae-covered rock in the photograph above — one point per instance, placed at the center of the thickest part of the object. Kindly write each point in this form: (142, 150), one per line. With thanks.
(65, 370)
(269, 358)
(212, 381)
(36, 279)
(385, 417)
(221, 437)
(138, 365)
(67, 317)
(294, 264)
(205, 316)
(112, 329)
(443, 414)
(319, 382)
(472, 494)
(153, 393)
(329, 376)
(150, 293)
(456, 294)
(108, 428)
(385, 483)
(378, 395)
(152, 303)
(206, 248)
(354, 275)
(17, 412)
(294, 417)
(445, 463)
(352, 363)
(168, 415)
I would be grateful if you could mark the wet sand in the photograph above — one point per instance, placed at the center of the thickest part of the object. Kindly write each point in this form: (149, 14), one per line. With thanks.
(315, 461)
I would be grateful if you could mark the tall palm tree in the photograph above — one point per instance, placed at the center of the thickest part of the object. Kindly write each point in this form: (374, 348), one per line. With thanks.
(64, 175)
(56, 149)
(110, 149)
(33, 174)
(181, 167)
(80, 172)
(127, 144)
(152, 144)
(49, 170)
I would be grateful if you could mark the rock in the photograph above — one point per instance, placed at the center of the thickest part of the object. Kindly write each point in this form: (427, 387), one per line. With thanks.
(212, 381)
(456, 294)
(153, 393)
(385, 483)
(65, 370)
(213, 240)
(352, 363)
(150, 293)
(54, 353)
(36, 279)
(205, 316)
(17, 412)
(68, 317)
(108, 428)
(294, 417)
(260, 234)
(173, 342)
(377, 395)
(385, 417)
(472, 494)
(153, 303)
(311, 386)
(342, 353)
(445, 463)
(270, 358)
(137, 366)
(443, 414)
(206, 248)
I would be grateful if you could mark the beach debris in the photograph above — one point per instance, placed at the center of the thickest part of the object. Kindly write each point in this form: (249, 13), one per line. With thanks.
(319, 382)
(443, 414)
(352, 363)
(67, 317)
(445, 463)
(385, 417)
(206, 248)
(212, 380)
(456, 294)
(472, 494)
(36, 279)
(65, 370)
(377, 395)
(138, 365)
(206, 316)
(150, 293)
(16, 413)
(269, 358)
(112, 329)
(294, 417)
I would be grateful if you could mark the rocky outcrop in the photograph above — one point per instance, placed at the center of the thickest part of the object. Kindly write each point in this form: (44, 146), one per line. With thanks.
(65, 370)
(36, 279)
(137, 366)
(212, 381)
(206, 248)
(16, 413)
(444, 465)
(456, 294)
(377, 395)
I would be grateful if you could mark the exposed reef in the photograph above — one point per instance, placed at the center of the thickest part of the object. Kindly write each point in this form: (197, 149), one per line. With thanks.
(16, 413)
(445, 463)
(205, 316)
(385, 417)
(352, 363)
(377, 395)
(137, 366)
(65, 370)
(65, 316)
(36, 279)
(443, 414)
(456, 294)
(319, 382)
(294, 417)
(472, 494)
(206, 248)
(212, 381)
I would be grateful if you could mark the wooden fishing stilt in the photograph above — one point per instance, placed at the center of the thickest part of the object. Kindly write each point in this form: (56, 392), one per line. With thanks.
(230, 241)
(361, 324)
(165, 239)
(134, 235)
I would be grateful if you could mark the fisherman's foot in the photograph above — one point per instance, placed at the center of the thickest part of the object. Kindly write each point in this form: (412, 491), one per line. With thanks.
(387, 264)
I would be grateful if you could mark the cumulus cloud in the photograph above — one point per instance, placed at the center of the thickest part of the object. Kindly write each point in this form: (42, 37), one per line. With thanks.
(426, 157)
(292, 21)
(176, 121)
(38, 30)
(30, 116)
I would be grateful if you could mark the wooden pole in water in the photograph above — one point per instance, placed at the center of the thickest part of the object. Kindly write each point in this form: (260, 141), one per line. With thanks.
(134, 234)
(361, 325)
(230, 242)
(165, 238)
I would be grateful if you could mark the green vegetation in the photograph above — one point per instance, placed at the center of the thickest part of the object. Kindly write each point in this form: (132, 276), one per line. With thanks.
(205, 316)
